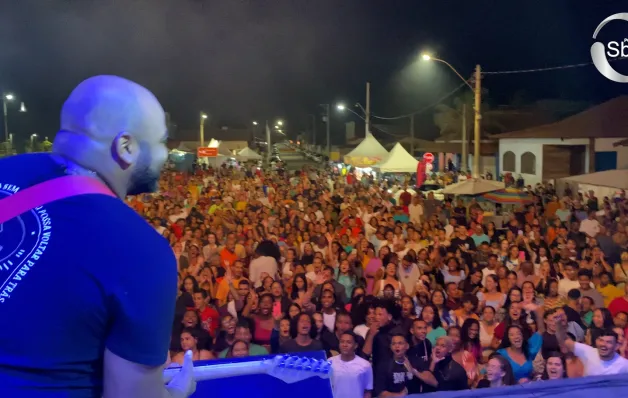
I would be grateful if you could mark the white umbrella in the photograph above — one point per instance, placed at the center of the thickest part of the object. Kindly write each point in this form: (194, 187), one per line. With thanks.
(473, 186)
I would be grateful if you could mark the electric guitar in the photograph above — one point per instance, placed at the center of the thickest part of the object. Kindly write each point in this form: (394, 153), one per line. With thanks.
(288, 368)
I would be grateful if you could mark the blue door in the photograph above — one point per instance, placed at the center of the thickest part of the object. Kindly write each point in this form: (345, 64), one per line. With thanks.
(605, 161)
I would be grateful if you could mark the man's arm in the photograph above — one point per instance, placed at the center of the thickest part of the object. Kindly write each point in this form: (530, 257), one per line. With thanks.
(141, 324)
(561, 334)
(127, 379)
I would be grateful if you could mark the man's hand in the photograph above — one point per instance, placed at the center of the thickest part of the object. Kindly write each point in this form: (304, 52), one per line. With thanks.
(183, 384)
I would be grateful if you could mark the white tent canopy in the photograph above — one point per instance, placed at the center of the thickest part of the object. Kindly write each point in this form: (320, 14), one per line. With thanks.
(473, 186)
(367, 153)
(616, 179)
(214, 143)
(398, 161)
(248, 154)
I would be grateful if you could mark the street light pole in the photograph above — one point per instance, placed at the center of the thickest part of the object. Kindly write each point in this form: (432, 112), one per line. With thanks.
(367, 111)
(328, 127)
(202, 129)
(313, 129)
(6, 123)
(268, 144)
(477, 90)
(412, 135)
(477, 120)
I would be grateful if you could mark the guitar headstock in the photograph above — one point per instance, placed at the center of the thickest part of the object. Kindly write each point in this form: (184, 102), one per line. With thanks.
(292, 368)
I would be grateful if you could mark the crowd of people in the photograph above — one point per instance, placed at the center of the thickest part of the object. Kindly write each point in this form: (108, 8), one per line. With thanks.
(407, 296)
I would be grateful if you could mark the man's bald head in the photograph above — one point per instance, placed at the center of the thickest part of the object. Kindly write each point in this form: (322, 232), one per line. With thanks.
(116, 128)
(103, 106)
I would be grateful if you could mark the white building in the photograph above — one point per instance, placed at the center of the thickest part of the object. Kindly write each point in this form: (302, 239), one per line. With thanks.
(584, 143)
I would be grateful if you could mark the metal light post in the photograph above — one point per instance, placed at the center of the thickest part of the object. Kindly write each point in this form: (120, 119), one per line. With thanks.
(202, 129)
(477, 90)
(8, 137)
(328, 122)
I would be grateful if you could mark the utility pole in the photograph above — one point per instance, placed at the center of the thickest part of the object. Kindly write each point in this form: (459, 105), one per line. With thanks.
(412, 135)
(477, 120)
(202, 129)
(367, 116)
(268, 144)
(313, 129)
(465, 153)
(328, 128)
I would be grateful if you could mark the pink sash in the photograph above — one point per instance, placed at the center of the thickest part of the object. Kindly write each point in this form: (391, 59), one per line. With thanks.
(48, 192)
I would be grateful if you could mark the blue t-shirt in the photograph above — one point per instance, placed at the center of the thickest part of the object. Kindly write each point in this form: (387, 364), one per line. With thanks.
(77, 275)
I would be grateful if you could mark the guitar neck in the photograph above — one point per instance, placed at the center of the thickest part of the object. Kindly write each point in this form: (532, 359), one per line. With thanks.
(219, 371)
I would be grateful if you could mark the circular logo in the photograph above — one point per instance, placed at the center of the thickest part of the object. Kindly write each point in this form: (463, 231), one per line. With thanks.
(615, 50)
(20, 238)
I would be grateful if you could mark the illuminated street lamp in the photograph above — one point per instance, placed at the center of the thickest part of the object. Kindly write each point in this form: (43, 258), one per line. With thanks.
(477, 90)
(341, 107)
(8, 97)
(202, 129)
(254, 123)
(280, 123)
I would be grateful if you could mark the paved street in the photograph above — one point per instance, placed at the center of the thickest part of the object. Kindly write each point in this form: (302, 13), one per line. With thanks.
(295, 161)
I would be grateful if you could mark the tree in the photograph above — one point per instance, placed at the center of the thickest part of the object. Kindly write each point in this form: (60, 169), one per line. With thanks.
(448, 118)
(46, 146)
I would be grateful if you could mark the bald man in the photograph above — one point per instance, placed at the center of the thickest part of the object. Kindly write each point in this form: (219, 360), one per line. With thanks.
(88, 287)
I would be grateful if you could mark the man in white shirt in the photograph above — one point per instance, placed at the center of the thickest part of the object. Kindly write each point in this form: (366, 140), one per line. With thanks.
(451, 227)
(571, 279)
(408, 274)
(352, 376)
(416, 211)
(590, 226)
(599, 361)
(491, 267)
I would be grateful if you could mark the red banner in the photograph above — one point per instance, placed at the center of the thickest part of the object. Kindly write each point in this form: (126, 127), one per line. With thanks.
(204, 152)
(420, 173)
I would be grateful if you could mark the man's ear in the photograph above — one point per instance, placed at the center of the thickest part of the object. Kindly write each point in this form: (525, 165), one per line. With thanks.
(125, 150)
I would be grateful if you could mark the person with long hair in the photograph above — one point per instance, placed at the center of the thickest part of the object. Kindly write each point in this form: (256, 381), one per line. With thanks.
(552, 298)
(303, 332)
(555, 367)
(498, 373)
(462, 356)
(520, 351)
(327, 306)
(189, 342)
(434, 326)
(389, 278)
(602, 320)
(264, 322)
(470, 338)
(446, 315)
(266, 261)
(345, 275)
(492, 295)
(487, 329)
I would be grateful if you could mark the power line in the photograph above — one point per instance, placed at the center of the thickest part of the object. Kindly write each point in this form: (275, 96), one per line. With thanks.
(422, 109)
(506, 72)
(551, 68)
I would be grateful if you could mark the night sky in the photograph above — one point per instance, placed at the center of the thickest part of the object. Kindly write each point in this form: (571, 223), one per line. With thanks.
(263, 59)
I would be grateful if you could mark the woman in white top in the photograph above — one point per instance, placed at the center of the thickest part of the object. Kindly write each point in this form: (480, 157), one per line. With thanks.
(487, 329)
(492, 295)
(389, 278)
(266, 262)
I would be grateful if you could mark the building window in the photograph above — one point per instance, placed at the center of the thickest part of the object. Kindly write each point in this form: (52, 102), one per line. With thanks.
(528, 163)
(508, 162)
